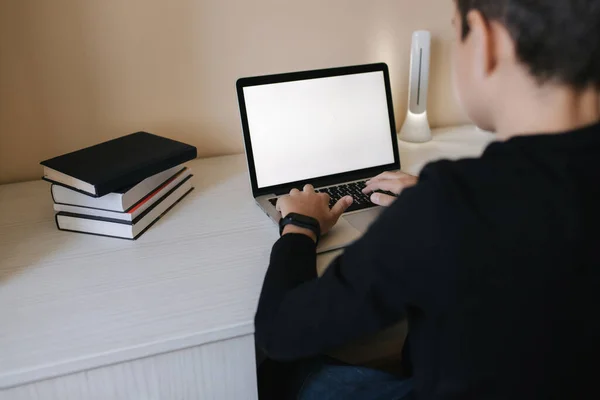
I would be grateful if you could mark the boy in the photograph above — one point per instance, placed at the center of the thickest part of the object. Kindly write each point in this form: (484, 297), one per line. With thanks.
(494, 261)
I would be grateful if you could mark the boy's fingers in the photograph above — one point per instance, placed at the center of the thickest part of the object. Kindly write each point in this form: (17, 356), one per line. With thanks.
(341, 206)
(388, 186)
(382, 199)
(393, 176)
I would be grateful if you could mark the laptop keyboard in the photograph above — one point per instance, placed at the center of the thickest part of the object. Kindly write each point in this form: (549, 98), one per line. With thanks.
(361, 201)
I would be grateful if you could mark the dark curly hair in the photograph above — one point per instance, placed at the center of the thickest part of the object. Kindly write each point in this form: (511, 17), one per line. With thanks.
(558, 40)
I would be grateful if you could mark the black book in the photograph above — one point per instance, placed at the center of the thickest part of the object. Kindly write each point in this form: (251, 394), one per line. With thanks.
(118, 163)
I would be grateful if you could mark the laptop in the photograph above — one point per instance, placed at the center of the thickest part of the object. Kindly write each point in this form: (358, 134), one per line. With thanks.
(332, 128)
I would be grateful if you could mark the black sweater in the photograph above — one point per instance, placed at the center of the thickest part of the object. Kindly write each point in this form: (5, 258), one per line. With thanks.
(495, 261)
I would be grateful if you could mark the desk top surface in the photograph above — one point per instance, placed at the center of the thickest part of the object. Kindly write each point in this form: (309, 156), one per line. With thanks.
(70, 302)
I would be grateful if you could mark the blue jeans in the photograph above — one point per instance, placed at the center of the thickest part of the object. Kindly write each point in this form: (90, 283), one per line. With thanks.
(331, 381)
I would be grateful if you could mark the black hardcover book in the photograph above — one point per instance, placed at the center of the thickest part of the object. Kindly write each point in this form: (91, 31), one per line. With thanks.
(118, 163)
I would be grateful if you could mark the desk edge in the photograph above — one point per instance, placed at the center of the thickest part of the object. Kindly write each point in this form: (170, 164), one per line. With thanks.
(72, 366)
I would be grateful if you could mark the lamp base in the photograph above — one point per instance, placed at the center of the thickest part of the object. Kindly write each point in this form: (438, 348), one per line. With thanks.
(415, 129)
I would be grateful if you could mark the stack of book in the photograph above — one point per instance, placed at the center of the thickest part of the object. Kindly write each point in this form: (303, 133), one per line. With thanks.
(119, 188)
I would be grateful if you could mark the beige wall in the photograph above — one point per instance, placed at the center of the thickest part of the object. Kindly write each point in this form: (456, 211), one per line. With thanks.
(77, 72)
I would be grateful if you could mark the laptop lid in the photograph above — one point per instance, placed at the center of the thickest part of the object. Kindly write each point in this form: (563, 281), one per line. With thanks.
(321, 127)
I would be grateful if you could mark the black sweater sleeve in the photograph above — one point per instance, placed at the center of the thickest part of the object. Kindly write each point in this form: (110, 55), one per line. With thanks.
(363, 291)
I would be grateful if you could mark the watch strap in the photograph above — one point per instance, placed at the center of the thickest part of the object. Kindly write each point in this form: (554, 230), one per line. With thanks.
(301, 221)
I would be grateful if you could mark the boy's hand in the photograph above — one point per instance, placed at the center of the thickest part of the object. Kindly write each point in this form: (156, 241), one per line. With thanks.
(394, 182)
(315, 205)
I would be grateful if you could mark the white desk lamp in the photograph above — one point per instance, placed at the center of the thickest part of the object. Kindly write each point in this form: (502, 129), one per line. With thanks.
(416, 127)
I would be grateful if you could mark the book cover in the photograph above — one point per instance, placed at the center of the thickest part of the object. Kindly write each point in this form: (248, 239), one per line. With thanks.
(118, 163)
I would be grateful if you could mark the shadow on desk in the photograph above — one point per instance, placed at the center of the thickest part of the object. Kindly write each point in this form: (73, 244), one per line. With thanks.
(213, 174)
(28, 233)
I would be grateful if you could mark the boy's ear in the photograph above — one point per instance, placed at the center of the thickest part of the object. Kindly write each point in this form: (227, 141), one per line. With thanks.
(483, 44)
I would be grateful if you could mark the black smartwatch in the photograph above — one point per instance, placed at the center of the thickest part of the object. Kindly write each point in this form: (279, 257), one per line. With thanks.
(301, 221)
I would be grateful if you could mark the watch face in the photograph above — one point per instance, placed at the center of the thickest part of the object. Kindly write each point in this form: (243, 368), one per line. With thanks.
(304, 219)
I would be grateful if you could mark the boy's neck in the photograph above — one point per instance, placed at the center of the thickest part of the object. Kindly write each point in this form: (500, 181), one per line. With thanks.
(547, 109)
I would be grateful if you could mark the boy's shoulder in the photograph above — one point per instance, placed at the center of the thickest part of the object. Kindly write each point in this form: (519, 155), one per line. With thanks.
(502, 168)
(503, 184)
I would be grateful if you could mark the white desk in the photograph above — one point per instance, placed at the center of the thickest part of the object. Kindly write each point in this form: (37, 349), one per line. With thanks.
(169, 316)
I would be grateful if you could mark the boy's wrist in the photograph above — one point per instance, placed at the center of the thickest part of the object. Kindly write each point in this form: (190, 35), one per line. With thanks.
(289, 229)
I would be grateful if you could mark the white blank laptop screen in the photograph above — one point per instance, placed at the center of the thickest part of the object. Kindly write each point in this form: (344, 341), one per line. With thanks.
(313, 128)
